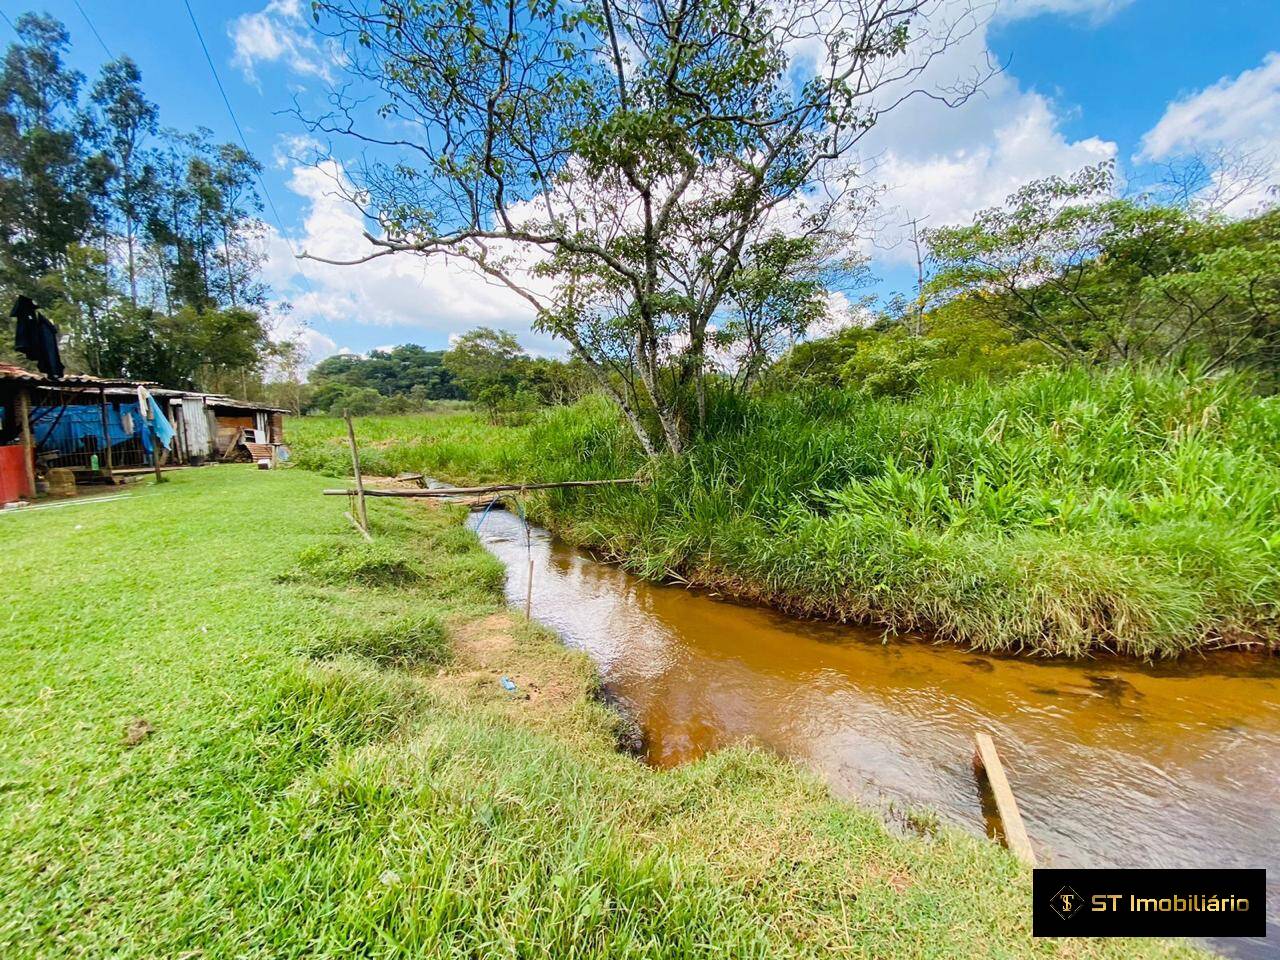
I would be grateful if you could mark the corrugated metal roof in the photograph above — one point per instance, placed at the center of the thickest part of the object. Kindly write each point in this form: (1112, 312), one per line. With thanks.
(10, 371)
(212, 399)
(215, 400)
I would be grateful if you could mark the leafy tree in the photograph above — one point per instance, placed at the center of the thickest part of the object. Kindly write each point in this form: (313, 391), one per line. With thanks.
(85, 308)
(628, 151)
(396, 372)
(887, 358)
(892, 364)
(818, 363)
(128, 118)
(551, 382)
(1224, 300)
(776, 295)
(45, 179)
(1102, 279)
(342, 398)
(971, 346)
(488, 364)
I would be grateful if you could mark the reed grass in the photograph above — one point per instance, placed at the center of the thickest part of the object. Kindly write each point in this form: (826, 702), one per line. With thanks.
(1063, 513)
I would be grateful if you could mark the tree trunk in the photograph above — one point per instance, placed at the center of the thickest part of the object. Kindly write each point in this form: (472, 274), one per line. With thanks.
(133, 273)
(226, 252)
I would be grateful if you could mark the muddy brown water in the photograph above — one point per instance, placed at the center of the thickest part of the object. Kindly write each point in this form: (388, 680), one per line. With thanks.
(1113, 763)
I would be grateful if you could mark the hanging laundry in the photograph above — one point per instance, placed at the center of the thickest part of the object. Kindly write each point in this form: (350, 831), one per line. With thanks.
(160, 424)
(36, 337)
(126, 420)
(144, 429)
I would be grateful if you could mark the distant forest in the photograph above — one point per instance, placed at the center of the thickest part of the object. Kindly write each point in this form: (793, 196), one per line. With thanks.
(483, 365)
(403, 378)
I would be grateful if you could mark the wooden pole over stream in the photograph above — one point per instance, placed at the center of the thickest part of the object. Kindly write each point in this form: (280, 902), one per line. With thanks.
(464, 491)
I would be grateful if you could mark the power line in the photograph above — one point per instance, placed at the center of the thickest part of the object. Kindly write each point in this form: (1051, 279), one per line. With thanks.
(243, 142)
(103, 43)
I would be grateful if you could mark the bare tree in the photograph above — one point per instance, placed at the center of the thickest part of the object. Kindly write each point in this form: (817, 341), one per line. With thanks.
(611, 161)
(1220, 180)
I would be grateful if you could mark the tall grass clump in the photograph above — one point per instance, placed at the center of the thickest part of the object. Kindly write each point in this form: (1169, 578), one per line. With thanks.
(1066, 512)
(1063, 513)
(451, 446)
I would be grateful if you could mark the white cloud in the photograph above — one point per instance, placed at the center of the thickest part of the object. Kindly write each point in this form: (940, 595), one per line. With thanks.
(1096, 10)
(278, 33)
(1011, 142)
(318, 345)
(1240, 109)
(941, 165)
(1235, 125)
(418, 298)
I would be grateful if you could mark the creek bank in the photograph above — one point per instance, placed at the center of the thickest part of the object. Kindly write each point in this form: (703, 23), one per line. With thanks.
(1114, 763)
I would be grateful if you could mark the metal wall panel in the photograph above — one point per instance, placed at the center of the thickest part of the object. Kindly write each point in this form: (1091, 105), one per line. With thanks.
(195, 424)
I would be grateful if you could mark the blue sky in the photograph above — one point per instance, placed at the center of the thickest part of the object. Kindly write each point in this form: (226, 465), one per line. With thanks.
(1142, 81)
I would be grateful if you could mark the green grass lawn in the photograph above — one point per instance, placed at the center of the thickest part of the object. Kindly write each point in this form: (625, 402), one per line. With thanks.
(330, 772)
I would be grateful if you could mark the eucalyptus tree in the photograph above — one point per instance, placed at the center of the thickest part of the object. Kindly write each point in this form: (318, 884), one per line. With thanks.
(611, 161)
(45, 197)
(127, 119)
(239, 225)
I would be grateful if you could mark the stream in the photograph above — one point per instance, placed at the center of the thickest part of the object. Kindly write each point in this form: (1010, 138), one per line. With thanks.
(1114, 764)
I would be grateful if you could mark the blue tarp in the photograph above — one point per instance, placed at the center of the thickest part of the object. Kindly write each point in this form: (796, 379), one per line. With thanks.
(69, 431)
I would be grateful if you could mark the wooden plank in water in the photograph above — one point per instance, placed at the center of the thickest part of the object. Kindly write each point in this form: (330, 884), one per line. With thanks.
(1015, 834)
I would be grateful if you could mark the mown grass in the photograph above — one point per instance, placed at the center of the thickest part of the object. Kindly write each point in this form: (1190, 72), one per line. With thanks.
(315, 785)
(1062, 513)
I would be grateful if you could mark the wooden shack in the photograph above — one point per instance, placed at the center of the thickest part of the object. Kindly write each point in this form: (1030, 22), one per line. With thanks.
(237, 422)
(93, 427)
(74, 423)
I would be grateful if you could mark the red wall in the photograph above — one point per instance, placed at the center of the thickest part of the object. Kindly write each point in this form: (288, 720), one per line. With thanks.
(13, 476)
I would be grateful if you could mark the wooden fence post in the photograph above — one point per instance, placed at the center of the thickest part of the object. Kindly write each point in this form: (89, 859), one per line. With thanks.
(106, 434)
(28, 445)
(355, 469)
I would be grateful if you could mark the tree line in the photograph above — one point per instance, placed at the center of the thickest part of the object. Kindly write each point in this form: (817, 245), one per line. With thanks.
(485, 366)
(1068, 272)
(143, 243)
